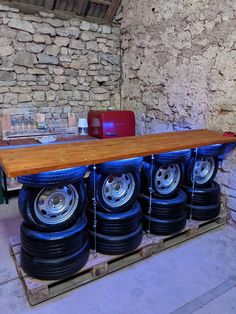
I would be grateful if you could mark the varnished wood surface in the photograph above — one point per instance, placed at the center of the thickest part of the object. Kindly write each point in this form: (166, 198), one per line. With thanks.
(22, 161)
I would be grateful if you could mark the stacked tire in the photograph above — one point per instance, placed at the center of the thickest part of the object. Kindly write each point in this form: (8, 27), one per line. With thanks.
(114, 215)
(54, 236)
(162, 179)
(203, 193)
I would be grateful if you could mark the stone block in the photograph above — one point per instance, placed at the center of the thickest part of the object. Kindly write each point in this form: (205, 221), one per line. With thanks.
(60, 79)
(44, 28)
(64, 51)
(4, 90)
(4, 8)
(5, 41)
(61, 41)
(88, 36)
(73, 81)
(7, 76)
(75, 22)
(24, 97)
(46, 59)
(75, 64)
(68, 31)
(39, 96)
(58, 71)
(101, 78)
(24, 36)
(50, 95)
(10, 98)
(46, 14)
(35, 48)
(55, 22)
(6, 51)
(84, 26)
(22, 25)
(64, 58)
(26, 77)
(37, 71)
(7, 32)
(106, 29)
(54, 86)
(38, 38)
(24, 59)
(71, 72)
(92, 45)
(52, 50)
(76, 44)
(101, 97)
(20, 89)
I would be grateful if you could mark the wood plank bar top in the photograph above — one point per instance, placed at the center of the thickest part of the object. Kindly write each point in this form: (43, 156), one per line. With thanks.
(30, 160)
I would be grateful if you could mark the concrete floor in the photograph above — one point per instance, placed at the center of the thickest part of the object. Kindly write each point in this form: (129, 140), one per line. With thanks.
(198, 277)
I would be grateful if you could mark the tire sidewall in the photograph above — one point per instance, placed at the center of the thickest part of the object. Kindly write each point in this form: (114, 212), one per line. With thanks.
(39, 225)
(188, 180)
(172, 193)
(99, 181)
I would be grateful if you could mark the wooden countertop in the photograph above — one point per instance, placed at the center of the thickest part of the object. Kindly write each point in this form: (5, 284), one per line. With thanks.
(30, 160)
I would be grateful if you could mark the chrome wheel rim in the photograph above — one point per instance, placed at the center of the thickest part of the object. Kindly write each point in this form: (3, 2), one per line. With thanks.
(203, 169)
(118, 190)
(167, 178)
(56, 205)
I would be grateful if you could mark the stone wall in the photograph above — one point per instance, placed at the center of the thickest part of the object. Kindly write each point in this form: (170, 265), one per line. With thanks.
(56, 66)
(179, 69)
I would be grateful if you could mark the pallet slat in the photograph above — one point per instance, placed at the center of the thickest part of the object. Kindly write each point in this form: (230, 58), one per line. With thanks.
(38, 291)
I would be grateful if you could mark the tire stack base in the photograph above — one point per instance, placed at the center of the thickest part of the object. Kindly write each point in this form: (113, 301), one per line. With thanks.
(54, 236)
(38, 291)
(115, 225)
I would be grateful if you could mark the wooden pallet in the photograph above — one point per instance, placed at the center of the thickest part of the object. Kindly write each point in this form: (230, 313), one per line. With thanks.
(38, 291)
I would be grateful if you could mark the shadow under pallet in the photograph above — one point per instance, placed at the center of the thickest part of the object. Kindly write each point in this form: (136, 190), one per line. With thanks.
(38, 291)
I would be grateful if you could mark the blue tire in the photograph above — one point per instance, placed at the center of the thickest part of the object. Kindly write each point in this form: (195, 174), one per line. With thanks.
(170, 157)
(211, 150)
(159, 186)
(121, 166)
(205, 178)
(53, 178)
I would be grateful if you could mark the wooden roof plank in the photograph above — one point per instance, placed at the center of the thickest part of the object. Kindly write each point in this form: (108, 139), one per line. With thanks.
(82, 7)
(48, 4)
(22, 161)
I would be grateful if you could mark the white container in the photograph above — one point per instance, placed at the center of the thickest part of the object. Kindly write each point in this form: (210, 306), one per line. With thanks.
(83, 126)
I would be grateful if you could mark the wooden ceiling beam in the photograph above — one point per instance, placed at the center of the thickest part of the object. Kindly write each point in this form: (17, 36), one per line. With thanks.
(114, 5)
(107, 8)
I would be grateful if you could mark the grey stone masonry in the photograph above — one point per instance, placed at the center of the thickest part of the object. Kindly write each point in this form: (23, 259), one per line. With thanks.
(55, 66)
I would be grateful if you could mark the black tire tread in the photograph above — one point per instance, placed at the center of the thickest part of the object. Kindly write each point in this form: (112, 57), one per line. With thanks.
(165, 208)
(117, 245)
(164, 226)
(56, 244)
(120, 166)
(116, 224)
(57, 268)
(53, 178)
(203, 195)
(202, 213)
